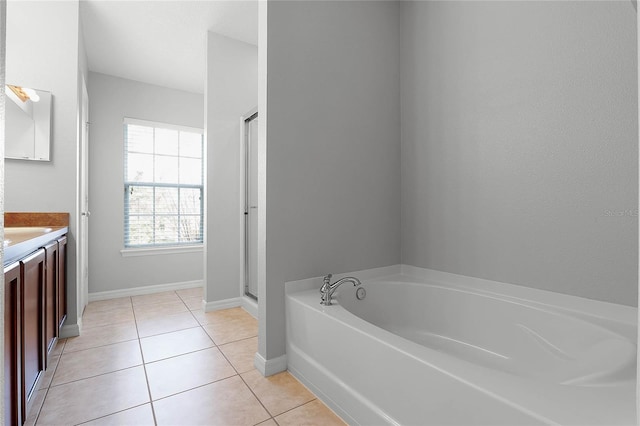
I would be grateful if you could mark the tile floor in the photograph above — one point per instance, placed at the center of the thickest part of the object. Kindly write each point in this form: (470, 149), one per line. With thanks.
(160, 360)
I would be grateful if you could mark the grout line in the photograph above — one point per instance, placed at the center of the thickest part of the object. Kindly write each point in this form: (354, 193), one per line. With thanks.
(111, 414)
(92, 327)
(239, 340)
(46, 390)
(46, 393)
(194, 388)
(247, 385)
(179, 355)
(298, 406)
(144, 367)
(100, 346)
(94, 376)
(164, 332)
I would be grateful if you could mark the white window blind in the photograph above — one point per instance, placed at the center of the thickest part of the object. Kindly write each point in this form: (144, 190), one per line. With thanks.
(163, 184)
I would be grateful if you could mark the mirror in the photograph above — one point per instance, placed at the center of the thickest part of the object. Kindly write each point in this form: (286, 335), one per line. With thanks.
(28, 123)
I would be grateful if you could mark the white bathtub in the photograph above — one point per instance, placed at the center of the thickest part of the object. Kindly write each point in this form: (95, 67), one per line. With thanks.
(425, 347)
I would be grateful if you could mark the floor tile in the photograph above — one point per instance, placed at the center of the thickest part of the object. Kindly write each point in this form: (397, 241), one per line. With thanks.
(59, 347)
(180, 342)
(155, 298)
(88, 399)
(310, 414)
(191, 292)
(184, 372)
(222, 316)
(166, 324)
(97, 378)
(38, 400)
(227, 402)
(107, 305)
(47, 377)
(232, 330)
(110, 317)
(101, 336)
(241, 353)
(145, 312)
(278, 393)
(96, 361)
(199, 315)
(137, 416)
(193, 303)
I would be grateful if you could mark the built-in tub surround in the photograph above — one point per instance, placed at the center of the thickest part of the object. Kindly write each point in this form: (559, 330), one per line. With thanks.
(452, 349)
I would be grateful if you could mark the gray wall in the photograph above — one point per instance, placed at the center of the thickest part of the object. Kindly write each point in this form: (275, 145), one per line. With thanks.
(333, 159)
(51, 40)
(520, 143)
(231, 91)
(110, 100)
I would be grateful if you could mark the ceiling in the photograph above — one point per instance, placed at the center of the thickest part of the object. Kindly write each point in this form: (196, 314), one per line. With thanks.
(161, 42)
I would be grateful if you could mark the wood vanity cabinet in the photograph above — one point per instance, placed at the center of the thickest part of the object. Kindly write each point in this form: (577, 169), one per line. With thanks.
(34, 310)
(32, 321)
(12, 349)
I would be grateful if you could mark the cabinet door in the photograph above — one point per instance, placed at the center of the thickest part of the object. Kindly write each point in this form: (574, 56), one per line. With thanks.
(12, 390)
(50, 298)
(62, 280)
(32, 316)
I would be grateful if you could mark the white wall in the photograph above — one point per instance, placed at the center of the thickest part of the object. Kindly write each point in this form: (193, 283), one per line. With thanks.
(231, 91)
(110, 100)
(44, 55)
(332, 146)
(520, 143)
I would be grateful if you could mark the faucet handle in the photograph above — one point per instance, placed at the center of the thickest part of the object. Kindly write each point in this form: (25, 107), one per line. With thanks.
(327, 278)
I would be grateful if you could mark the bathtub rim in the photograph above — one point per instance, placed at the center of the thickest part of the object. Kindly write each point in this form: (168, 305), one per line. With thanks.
(571, 304)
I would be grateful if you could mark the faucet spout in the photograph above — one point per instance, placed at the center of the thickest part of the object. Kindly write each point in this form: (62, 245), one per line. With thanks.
(327, 289)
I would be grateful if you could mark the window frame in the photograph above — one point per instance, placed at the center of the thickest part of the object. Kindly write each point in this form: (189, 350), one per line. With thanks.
(162, 247)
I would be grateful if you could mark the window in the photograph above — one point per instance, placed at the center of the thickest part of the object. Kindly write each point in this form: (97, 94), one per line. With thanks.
(163, 184)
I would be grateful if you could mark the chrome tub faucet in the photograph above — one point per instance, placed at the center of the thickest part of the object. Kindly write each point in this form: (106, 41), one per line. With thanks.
(327, 289)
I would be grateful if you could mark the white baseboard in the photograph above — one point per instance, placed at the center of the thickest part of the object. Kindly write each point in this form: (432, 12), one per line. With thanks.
(250, 305)
(217, 305)
(138, 291)
(71, 330)
(269, 367)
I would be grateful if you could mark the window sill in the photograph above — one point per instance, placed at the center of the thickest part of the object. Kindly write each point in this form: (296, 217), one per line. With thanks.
(154, 251)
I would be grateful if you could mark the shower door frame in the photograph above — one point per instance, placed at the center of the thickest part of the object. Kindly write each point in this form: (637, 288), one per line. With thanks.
(245, 207)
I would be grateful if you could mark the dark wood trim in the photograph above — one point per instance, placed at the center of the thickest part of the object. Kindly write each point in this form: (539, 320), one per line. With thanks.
(51, 299)
(12, 346)
(62, 281)
(32, 319)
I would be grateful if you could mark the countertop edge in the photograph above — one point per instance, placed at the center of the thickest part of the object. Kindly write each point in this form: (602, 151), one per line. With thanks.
(18, 251)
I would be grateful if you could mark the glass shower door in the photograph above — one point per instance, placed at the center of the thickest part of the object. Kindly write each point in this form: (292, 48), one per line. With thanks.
(251, 207)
